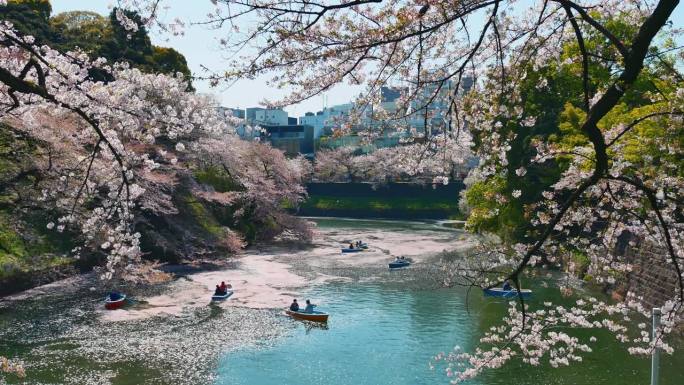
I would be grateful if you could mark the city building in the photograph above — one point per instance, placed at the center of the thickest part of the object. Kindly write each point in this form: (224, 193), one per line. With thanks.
(230, 112)
(292, 139)
(325, 120)
(312, 131)
(389, 94)
(272, 116)
(250, 113)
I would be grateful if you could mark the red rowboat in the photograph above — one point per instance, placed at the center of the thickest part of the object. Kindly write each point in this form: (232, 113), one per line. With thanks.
(116, 304)
(316, 316)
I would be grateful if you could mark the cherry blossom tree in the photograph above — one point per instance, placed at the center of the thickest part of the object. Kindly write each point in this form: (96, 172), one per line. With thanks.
(264, 182)
(428, 49)
(430, 46)
(97, 169)
(117, 149)
(335, 165)
(435, 162)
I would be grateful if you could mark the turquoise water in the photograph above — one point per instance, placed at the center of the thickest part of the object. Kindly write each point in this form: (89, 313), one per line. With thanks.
(376, 334)
(382, 333)
(384, 328)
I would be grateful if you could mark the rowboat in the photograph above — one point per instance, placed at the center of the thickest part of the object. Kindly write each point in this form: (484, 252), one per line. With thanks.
(315, 316)
(115, 304)
(222, 297)
(399, 264)
(512, 293)
(348, 250)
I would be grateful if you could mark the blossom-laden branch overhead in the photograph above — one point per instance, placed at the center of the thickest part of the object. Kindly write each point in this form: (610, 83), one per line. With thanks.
(582, 98)
(474, 57)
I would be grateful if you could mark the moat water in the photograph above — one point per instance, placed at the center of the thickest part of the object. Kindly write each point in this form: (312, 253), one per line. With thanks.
(385, 327)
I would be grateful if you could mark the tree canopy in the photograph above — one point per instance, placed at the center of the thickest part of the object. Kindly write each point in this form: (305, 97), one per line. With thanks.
(96, 35)
(574, 109)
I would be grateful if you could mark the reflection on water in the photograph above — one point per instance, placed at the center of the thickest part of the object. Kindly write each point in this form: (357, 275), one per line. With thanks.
(387, 334)
(60, 340)
(377, 335)
(384, 329)
(390, 225)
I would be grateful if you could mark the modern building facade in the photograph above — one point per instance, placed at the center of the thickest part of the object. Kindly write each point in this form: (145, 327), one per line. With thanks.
(426, 113)
(292, 139)
(272, 116)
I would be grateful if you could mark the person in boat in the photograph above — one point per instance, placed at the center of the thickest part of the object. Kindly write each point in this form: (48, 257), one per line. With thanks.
(225, 287)
(309, 307)
(115, 296)
(219, 291)
(351, 246)
(507, 285)
(294, 306)
(358, 244)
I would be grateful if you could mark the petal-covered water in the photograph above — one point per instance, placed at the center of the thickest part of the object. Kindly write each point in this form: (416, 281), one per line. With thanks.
(384, 328)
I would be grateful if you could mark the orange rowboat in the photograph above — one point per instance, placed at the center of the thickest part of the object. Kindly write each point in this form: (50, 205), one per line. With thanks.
(316, 316)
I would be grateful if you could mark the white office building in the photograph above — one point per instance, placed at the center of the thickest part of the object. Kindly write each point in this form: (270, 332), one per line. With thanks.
(267, 116)
(327, 119)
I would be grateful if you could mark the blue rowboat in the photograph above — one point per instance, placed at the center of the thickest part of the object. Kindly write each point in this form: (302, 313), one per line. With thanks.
(399, 264)
(512, 293)
(221, 297)
(348, 250)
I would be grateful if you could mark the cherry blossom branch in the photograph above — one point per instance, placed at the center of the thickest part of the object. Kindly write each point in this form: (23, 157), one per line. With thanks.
(633, 66)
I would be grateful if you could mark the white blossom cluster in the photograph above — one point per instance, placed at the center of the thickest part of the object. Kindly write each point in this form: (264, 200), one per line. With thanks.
(435, 162)
(427, 49)
(100, 129)
(541, 337)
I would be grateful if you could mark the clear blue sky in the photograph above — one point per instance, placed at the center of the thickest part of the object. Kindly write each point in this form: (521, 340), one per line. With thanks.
(200, 47)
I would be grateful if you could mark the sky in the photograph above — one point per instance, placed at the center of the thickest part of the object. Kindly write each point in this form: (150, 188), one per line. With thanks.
(200, 47)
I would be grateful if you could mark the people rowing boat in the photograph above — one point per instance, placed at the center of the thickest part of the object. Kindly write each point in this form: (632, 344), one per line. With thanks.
(222, 289)
(309, 307)
(355, 246)
(294, 306)
(399, 262)
(307, 314)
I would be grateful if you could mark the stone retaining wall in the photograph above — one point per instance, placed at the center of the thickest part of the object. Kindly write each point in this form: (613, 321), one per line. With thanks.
(653, 277)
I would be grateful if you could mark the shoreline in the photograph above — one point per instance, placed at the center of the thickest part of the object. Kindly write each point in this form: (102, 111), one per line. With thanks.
(30, 280)
(267, 276)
